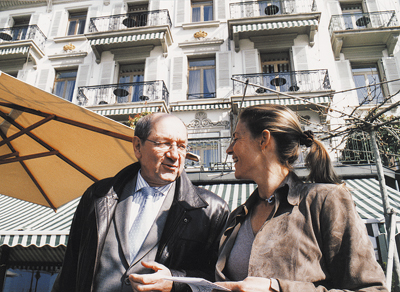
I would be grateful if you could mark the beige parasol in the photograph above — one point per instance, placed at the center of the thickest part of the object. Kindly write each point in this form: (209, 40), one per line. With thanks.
(51, 150)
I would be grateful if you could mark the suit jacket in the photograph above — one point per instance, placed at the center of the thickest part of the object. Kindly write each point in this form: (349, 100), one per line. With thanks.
(188, 245)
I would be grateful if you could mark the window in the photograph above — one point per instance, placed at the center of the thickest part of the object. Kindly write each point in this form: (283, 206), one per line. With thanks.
(64, 84)
(270, 7)
(132, 73)
(202, 11)
(26, 279)
(367, 76)
(137, 15)
(276, 68)
(353, 16)
(20, 28)
(76, 23)
(201, 78)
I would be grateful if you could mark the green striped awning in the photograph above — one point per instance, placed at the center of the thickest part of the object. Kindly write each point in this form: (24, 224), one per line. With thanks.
(273, 25)
(27, 224)
(287, 101)
(14, 50)
(196, 107)
(127, 38)
(126, 111)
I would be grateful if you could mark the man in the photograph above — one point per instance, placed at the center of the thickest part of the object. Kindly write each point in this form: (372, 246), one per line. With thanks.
(107, 250)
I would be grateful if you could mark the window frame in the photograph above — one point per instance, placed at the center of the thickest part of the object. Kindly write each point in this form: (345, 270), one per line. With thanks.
(368, 70)
(201, 4)
(202, 69)
(65, 80)
(77, 16)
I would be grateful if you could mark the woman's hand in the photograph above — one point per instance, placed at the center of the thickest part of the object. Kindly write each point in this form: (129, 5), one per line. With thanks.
(152, 282)
(250, 284)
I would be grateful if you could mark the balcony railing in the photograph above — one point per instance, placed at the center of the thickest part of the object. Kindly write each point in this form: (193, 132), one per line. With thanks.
(29, 32)
(123, 93)
(293, 81)
(349, 21)
(270, 8)
(129, 20)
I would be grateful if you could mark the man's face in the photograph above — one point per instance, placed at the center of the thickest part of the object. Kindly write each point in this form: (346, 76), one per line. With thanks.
(160, 164)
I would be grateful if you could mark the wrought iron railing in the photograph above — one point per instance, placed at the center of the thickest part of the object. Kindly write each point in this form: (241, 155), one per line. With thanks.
(29, 32)
(212, 152)
(292, 81)
(270, 7)
(349, 21)
(129, 20)
(123, 93)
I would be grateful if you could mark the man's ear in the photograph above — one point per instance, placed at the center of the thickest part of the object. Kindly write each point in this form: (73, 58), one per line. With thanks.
(265, 139)
(137, 146)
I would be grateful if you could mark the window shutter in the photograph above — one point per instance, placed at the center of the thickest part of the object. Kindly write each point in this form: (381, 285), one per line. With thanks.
(34, 19)
(91, 13)
(391, 72)
(3, 22)
(372, 5)
(177, 73)
(150, 73)
(55, 27)
(223, 60)
(300, 58)
(82, 78)
(43, 79)
(182, 11)
(334, 7)
(107, 71)
(344, 71)
(220, 7)
(154, 5)
(251, 61)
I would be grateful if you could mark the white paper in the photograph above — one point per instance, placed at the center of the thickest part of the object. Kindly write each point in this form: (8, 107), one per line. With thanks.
(198, 284)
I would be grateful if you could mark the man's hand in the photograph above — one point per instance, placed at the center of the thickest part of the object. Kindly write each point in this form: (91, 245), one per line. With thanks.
(250, 284)
(152, 282)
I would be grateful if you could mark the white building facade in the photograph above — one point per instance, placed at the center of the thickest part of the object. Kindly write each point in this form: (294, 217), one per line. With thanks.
(190, 57)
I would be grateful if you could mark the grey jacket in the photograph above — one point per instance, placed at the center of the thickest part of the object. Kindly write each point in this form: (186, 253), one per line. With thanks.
(313, 241)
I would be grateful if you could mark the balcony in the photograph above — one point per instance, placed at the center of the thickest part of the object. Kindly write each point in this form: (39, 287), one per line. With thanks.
(272, 24)
(19, 43)
(299, 83)
(122, 32)
(124, 98)
(352, 31)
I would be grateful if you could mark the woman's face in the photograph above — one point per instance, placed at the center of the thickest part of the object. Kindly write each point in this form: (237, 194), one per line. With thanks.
(246, 153)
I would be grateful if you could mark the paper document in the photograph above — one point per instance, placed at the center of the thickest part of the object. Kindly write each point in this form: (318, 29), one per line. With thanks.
(198, 284)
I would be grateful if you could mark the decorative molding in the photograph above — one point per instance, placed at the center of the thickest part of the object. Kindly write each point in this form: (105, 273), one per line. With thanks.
(68, 48)
(201, 25)
(200, 34)
(201, 121)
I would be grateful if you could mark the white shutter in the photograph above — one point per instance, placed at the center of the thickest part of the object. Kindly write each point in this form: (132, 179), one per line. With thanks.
(344, 71)
(334, 7)
(150, 70)
(220, 8)
(55, 26)
(372, 5)
(223, 61)
(182, 11)
(391, 72)
(4, 22)
(251, 61)
(300, 58)
(82, 78)
(34, 19)
(91, 13)
(154, 5)
(107, 72)
(178, 72)
(43, 79)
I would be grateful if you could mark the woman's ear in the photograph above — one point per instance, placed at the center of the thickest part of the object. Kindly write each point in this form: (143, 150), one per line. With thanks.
(265, 139)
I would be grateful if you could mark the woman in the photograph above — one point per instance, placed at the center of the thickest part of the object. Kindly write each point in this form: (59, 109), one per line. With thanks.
(289, 235)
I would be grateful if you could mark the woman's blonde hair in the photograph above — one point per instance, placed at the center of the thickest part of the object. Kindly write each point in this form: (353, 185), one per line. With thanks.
(285, 127)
